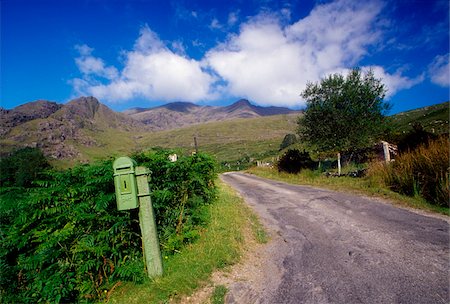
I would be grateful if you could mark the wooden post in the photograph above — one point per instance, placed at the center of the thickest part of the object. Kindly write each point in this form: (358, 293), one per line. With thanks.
(150, 243)
(387, 155)
(339, 163)
(195, 143)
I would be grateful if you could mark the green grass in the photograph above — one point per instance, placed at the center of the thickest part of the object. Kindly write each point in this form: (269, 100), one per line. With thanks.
(218, 296)
(220, 245)
(364, 186)
(227, 140)
(434, 119)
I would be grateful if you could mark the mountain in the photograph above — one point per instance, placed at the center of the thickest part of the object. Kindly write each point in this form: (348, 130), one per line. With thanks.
(62, 131)
(181, 114)
(29, 111)
(84, 128)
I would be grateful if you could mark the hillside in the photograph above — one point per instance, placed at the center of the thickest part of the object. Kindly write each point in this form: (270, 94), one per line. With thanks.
(63, 131)
(180, 114)
(84, 129)
(434, 119)
(23, 113)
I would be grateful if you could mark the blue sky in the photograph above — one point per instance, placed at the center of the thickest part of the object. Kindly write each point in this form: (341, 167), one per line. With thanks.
(146, 53)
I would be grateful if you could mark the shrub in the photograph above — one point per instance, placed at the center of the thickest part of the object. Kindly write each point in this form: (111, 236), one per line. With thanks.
(180, 191)
(288, 140)
(418, 136)
(423, 171)
(22, 167)
(293, 161)
(65, 241)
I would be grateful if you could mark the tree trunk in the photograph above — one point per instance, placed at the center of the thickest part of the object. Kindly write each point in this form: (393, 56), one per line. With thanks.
(339, 163)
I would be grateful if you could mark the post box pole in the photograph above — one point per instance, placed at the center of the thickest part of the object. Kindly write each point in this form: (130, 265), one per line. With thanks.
(150, 243)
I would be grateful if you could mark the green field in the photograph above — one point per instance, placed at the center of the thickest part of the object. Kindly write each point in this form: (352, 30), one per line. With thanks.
(228, 141)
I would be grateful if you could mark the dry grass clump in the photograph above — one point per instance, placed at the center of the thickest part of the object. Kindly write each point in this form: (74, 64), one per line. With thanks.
(422, 172)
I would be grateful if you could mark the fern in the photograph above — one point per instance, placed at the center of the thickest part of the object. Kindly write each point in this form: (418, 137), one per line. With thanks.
(63, 240)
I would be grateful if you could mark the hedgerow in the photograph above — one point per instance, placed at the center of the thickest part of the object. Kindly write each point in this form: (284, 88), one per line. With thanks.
(63, 239)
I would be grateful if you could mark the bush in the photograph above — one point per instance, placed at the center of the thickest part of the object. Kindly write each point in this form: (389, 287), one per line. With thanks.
(65, 241)
(423, 171)
(22, 167)
(293, 161)
(288, 140)
(180, 190)
(418, 136)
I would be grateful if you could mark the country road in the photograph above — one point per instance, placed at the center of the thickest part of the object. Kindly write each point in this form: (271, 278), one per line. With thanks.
(333, 247)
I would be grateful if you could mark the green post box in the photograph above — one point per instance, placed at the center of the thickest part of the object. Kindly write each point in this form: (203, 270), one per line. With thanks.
(125, 183)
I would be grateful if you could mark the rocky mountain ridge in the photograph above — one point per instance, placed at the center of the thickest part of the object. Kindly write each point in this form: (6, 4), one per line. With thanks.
(180, 114)
(61, 130)
(57, 129)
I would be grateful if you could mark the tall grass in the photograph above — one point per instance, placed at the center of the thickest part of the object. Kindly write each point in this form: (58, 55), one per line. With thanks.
(422, 172)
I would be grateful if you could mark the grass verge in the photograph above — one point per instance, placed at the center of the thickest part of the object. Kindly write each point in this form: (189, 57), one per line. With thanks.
(220, 244)
(366, 186)
(218, 296)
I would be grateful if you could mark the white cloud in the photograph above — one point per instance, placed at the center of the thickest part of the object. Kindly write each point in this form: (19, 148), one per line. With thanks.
(151, 71)
(88, 64)
(394, 82)
(269, 61)
(215, 24)
(439, 70)
(271, 64)
(233, 18)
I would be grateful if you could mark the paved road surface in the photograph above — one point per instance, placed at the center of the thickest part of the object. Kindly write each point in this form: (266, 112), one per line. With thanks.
(331, 247)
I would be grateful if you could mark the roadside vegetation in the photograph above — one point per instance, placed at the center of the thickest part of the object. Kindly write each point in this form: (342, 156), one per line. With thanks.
(63, 239)
(345, 119)
(219, 245)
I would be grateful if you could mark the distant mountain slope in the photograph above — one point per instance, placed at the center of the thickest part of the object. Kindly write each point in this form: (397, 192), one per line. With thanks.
(180, 114)
(434, 119)
(23, 113)
(61, 130)
(84, 129)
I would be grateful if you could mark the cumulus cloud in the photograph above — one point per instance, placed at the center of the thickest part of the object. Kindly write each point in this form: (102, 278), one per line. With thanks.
(151, 71)
(271, 64)
(439, 70)
(269, 60)
(90, 65)
(394, 82)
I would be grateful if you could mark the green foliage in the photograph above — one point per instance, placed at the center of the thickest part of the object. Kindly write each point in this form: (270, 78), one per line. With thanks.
(22, 167)
(343, 113)
(293, 161)
(222, 243)
(180, 190)
(288, 140)
(64, 240)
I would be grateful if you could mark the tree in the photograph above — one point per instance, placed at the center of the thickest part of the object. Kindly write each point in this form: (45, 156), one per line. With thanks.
(22, 167)
(343, 113)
